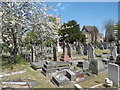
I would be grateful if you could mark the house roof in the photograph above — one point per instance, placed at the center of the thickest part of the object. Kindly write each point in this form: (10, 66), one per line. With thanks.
(90, 28)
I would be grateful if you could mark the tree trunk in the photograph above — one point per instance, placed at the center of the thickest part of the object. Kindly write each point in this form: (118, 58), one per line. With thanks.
(31, 54)
(14, 49)
(54, 54)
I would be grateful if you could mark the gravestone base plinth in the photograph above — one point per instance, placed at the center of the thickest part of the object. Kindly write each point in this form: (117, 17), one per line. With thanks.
(65, 58)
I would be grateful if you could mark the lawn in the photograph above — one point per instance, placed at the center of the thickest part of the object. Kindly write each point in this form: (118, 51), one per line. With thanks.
(44, 82)
(97, 79)
(80, 57)
(98, 51)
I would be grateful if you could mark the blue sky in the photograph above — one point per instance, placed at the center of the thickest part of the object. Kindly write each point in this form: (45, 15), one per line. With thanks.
(87, 13)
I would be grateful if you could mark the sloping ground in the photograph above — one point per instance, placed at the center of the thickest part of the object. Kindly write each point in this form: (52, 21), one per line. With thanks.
(44, 82)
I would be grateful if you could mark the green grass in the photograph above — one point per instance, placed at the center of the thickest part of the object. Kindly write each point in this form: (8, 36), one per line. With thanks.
(97, 79)
(98, 51)
(73, 52)
(44, 82)
(80, 57)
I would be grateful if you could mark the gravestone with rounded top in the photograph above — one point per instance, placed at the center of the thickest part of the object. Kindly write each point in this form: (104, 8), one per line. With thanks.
(113, 73)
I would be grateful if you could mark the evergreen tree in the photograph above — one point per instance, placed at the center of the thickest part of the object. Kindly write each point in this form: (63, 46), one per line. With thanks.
(71, 33)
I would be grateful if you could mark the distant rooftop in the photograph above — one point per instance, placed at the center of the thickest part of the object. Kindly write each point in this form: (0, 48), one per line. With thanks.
(90, 28)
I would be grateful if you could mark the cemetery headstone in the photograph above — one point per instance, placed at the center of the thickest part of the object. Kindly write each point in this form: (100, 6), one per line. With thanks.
(114, 52)
(78, 48)
(68, 50)
(54, 54)
(118, 47)
(104, 45)
(65, 56)
(113, 73)
(90, 52)
(100, 46)
(85, 49)
(118, 59)
(96, 66)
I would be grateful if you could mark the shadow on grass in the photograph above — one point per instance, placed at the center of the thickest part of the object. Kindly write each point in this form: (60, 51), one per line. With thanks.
(106, 86)
(97, 82)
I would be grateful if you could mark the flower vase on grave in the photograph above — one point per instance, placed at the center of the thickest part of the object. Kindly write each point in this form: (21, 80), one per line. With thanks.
(65, 56)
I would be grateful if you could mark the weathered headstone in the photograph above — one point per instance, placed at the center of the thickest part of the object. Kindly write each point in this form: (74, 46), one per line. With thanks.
(54, 54)
(114, 52)
(118, 47)
(100, 46)
(85, 49)
(96, 66)
(113, 73)
(68, 50)
(118, 60)
(105, 45)
(78, 49)
(90, 52)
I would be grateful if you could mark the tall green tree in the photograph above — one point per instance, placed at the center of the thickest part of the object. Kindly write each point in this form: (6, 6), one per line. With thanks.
(71, 33)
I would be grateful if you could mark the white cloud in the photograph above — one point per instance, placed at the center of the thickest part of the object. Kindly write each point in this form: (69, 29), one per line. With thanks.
(59, 4)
